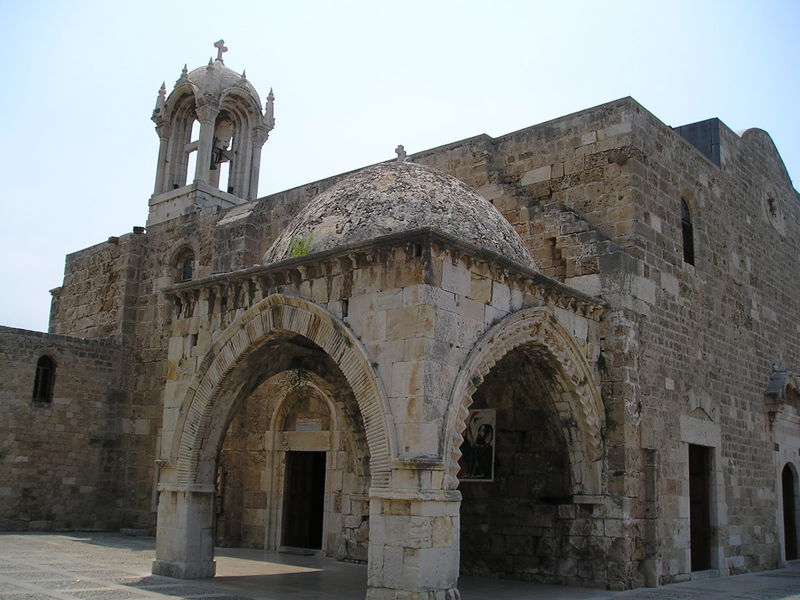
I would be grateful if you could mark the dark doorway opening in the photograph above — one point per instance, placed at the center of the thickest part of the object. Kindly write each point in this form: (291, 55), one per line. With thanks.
(516, 476)
(789, 514)
(700, 506)
(304, 499)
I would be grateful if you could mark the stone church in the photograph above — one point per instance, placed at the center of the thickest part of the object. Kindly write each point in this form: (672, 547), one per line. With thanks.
(566, 354)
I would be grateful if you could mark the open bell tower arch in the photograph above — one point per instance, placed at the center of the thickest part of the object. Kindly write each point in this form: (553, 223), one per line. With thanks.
(233, 127)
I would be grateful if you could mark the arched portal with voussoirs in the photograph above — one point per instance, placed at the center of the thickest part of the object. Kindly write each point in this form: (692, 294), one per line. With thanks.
(293, 470)
(277, 334)
(525, 449)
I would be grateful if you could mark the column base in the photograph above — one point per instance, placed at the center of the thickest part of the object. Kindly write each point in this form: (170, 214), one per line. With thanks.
(185, 570)
(374, 593)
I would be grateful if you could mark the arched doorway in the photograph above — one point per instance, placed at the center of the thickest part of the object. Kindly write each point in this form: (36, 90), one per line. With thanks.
(532, 515)
(516, 512)
(293, 469)
(277, 335)
(789, 487)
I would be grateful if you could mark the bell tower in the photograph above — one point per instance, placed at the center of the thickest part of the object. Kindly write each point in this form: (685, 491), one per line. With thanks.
(211, 129)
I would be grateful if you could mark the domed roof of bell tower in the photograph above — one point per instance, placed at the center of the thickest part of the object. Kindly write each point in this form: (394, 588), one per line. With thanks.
(215, 79)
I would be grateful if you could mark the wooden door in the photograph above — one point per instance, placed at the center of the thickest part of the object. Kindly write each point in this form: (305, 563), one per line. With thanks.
(304, 499)
(700, 506)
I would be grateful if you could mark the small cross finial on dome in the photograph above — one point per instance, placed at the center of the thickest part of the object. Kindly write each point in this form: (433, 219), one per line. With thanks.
(401, 153)
(220, 46)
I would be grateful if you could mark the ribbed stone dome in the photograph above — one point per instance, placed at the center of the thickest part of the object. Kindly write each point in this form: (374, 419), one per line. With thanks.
(216, 78)
(395, 197)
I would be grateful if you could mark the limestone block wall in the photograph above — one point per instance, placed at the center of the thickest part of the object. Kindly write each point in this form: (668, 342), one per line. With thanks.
(710, 332)
(564, 185)
(113, 290)
(61, 461)
(100, 290)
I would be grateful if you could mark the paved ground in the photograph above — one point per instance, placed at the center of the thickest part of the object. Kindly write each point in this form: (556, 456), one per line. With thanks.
(115, 567)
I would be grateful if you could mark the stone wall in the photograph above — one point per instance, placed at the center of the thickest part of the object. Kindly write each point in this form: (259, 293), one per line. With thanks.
(61, 461)
(100, 290)
(711, 331)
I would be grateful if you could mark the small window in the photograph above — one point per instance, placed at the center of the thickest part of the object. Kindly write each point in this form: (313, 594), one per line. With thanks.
(44, 380)
(688, 233)
(185, 267)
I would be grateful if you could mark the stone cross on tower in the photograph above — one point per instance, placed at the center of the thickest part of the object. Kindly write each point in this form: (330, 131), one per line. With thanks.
(401, 153)
(220, 46)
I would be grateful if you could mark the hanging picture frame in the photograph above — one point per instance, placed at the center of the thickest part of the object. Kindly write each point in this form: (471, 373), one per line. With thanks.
(477, 450)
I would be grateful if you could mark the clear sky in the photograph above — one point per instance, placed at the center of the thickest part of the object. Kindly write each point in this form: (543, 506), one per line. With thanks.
(352, 80)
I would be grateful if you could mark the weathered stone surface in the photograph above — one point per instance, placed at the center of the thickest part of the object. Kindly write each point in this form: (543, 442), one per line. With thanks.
(392, 198)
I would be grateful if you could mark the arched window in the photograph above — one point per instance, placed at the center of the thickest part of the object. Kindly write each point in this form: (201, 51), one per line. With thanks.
(688, 233)
(190, 153)
(44, 380)
(185, 266)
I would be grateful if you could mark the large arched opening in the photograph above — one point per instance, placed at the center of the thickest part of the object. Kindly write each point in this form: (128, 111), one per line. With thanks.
(528, 462)
(340, 395)
(293, 468)
(512, 522)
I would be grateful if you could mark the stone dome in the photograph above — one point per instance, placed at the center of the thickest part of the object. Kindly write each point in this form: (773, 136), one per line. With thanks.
(395, 197)
(216, 79)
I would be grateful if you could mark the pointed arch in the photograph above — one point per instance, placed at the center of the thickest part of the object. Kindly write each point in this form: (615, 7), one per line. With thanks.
(314, 383)
(269, 318)
(580, 403)
(44, 380)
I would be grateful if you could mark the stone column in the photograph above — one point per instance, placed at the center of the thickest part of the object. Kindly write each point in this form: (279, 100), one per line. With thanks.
(207, 115)
(413, 545)
(185, 532)
(163, 131)
(258, 136)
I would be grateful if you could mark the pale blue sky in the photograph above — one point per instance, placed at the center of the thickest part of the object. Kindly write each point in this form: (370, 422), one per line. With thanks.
(352, 80)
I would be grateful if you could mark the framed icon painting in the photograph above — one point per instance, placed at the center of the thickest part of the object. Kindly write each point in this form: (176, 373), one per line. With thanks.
(477, 450)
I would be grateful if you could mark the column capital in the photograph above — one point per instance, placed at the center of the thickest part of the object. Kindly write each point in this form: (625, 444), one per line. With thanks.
(207, 109)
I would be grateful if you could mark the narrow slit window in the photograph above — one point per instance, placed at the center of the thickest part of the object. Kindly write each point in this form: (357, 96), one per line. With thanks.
(186, 267)
(688, 233)
(44, 379)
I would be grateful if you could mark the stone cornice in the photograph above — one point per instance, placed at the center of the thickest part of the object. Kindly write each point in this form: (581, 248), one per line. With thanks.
(552, 292)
